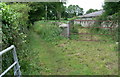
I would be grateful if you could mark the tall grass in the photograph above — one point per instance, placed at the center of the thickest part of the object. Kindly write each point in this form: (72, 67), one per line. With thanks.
(74, 28)
(47, 31)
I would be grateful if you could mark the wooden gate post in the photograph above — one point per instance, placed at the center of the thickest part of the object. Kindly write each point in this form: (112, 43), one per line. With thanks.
(68, 30)
(70, 24)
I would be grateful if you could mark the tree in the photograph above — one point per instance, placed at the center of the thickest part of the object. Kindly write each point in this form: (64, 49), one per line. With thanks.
(57, 9)
(111, 7)
(37, 11)
(112, 10)
(91, 10)
(74, 10)
(41, 10)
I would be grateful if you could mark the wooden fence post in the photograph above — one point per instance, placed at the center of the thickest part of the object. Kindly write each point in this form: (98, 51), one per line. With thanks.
(68, 28)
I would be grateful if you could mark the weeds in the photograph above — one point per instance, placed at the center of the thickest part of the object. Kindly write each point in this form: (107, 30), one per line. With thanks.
(48, 31)
(67, 57)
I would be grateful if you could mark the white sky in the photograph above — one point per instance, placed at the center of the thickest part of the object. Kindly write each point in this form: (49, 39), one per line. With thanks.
(87, 4)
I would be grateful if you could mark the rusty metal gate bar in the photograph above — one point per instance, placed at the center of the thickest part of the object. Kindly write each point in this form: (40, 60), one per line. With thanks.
(72, 23)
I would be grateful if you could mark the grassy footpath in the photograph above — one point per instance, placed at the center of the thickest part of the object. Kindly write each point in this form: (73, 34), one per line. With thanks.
(71, 57)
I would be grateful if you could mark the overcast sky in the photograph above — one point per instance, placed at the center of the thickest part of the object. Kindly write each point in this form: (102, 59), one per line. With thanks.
(87, 4)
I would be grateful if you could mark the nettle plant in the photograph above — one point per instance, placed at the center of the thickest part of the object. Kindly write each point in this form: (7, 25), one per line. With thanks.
(11, 31)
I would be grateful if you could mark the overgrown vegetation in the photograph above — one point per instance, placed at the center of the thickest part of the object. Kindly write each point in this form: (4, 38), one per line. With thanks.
(47, 31)
(41, 49)
(111, 14)
(14, 28)
(14, 22)
(69, 57)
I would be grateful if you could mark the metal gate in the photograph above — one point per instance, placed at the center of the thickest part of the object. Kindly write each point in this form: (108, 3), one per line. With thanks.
(16, 65)
(90, 24)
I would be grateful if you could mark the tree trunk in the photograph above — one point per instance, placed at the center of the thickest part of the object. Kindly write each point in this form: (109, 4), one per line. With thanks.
(59, 15)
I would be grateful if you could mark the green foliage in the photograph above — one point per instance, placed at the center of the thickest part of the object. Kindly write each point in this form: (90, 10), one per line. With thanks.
(74, 27)
(50, 11)
(8, 17)
(74, 10)
(14, 29)
(42, 56)
(111, 7)
(73, 18)
(102, 17)
(91, 10)
(14, 23)
(111, 13)
(47, 31)
(74, 30)
(70, 57)
(37, 11)
(22, 13)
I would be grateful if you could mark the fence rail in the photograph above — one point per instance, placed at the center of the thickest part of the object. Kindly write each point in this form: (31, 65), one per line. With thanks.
(96, 27)
(89, 34)
(16, 65)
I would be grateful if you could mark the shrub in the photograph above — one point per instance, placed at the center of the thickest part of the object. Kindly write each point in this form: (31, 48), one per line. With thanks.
(105, 17)
(14, 20)
(74, 28)
(22, 15)
(47, 31)
(14, 26)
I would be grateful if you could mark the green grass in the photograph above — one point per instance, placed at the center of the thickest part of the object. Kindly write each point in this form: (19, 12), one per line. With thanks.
(47, 31)
(70, 57)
